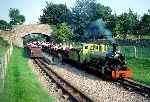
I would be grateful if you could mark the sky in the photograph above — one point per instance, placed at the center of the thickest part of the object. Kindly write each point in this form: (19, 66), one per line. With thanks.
(32, 9)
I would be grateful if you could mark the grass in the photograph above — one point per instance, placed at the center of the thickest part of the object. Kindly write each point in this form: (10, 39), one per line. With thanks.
(141, 64)
(141, 69)
(21, 84)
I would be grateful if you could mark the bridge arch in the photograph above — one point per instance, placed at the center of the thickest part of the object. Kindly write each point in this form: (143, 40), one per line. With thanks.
(35, 37)
(20, 31)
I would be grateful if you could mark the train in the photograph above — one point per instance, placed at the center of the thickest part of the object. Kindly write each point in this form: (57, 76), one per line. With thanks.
(92, 57)
(110, 64)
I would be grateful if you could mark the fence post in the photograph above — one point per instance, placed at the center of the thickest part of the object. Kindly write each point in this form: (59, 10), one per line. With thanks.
(2, 73)
(135, 52)
(1, 80)
(3, 66)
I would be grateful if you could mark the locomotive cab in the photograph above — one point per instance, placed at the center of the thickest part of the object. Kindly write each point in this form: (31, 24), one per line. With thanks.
(93, 51)
(87, 52)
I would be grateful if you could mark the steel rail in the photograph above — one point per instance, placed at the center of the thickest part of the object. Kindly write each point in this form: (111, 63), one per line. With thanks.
(139, 88)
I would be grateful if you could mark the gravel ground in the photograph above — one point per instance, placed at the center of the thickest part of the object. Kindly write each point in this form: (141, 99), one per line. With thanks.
(47, 84)
(97, 89)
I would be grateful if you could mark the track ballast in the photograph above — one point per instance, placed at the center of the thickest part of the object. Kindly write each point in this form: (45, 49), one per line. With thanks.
(74, 94)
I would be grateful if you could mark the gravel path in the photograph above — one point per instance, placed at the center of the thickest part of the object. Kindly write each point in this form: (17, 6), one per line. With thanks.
(97, 89)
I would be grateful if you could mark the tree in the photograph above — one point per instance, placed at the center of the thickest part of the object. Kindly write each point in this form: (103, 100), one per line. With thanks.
(4, 25)
(55, 14)
(15, 17)
(63, 33)
(105, 13)
(126, 24)
(82, 14)
(87, 11)
(133, 22)
(13, 12)
(144, 26)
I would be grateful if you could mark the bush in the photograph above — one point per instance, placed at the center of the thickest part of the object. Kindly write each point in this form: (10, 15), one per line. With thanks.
(3, 43)
(63, 33)
(4, 25)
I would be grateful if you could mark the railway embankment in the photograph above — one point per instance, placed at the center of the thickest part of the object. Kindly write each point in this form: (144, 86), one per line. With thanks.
(21, 84)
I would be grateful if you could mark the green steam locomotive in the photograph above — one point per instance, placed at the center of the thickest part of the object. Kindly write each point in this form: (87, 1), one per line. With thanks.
(94, 57)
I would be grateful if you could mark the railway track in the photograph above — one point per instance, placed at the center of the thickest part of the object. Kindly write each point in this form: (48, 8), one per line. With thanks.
(139, 88)
(74, 94)
(130, 84)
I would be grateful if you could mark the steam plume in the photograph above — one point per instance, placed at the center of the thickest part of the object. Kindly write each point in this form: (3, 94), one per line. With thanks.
(100, 28)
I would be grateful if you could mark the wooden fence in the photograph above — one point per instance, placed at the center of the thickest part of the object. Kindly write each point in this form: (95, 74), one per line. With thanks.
(3, 65)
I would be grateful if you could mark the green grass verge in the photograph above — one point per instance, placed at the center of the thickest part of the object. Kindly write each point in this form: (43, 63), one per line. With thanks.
(21, 84)
(141, 69)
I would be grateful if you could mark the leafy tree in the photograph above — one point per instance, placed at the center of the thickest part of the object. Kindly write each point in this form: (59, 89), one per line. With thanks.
(55, 14)
(144, 25)
(118, 29)
(87, 11)
(133, 22)
(4, 25)
(122, 25)
(63, 33)
(105, 13)
(126, 24)
(15, 17)
(82, 14)
(13, 12)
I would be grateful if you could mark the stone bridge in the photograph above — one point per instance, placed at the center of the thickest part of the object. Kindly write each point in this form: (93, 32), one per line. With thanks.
(20, 31)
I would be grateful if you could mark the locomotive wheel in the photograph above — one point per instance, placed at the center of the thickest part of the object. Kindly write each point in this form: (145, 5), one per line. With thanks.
(103, 71)
(106, 72)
